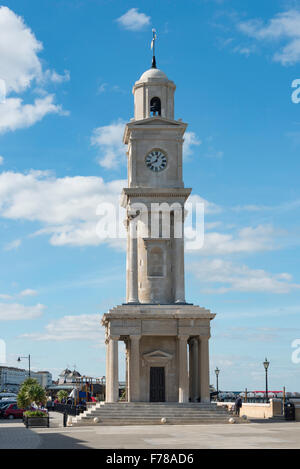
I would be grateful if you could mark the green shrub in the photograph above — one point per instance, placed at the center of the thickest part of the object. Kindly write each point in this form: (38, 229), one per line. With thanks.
(62, 394)
(35, 413)
(31, 391)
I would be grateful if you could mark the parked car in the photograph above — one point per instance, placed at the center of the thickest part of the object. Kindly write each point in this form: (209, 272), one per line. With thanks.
(12, 412)
(2, 409)
(5, 395)
(6, 403)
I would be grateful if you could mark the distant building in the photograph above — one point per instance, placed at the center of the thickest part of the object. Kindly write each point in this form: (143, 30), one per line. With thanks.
(68, 377)
(44, 378)
(11, 378)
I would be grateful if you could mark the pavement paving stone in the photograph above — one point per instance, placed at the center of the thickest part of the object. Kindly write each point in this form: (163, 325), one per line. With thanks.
(14, 435)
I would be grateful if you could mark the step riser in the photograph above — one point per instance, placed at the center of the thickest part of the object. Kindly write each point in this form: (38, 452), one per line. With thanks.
(153, 416)
(156, 414)
(149, 422)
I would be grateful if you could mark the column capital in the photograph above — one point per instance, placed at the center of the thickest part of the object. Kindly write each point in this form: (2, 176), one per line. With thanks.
(135, 337)
(112, 337)
(183, 337)
(203, 337)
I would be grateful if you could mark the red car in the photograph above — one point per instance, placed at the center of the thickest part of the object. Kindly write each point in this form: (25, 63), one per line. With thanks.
(12, 412)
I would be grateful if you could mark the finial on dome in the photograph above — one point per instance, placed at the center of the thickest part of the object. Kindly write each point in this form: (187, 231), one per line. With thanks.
(154, 36)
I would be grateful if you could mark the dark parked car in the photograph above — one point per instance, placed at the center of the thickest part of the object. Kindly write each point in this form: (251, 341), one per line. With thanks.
(6, 403)
(3, 408)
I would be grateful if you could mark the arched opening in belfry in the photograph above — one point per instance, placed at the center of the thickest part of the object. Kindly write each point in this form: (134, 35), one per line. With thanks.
(155, 106)
(156, 262)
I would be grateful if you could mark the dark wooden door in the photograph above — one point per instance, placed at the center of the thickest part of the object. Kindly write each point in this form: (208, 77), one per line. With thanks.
(157, 384)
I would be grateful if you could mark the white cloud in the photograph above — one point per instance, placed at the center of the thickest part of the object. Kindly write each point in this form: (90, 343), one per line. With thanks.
(133, 20)
(233, 277)
(283, 207)
(284, 27)
(28, 292)
(20, 69)
(54, 77)
(1, 160)
(81, 327)
(244, 50)
(190, 139)
(102, 88)
(248, 239)
(18, 52)
(209, 150)
(65, 207)
(255, 334)
(109, 140)
(209, 207)
(4, 296)
(14, 114)
(12, 245)
(16, 311)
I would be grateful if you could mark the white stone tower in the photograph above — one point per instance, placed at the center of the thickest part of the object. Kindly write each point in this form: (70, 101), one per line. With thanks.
(166, 339)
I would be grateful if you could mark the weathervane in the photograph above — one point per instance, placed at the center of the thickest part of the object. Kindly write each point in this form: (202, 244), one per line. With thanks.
(154, 36)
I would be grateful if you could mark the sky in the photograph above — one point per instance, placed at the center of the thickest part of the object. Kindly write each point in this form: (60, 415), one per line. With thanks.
(67, 68)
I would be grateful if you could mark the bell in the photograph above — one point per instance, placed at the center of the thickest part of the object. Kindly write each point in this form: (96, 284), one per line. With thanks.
(155, 106)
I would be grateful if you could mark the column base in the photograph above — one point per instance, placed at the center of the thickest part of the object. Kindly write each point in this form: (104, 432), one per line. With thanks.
(205, 400)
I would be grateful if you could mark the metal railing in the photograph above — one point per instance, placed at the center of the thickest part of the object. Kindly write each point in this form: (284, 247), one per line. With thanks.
(69, 409)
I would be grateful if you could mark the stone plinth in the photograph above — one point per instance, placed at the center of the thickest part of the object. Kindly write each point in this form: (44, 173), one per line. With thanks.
(158, 336)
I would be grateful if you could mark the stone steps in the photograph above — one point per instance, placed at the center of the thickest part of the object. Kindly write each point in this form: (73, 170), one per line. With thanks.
(139, 413)
(158, 414)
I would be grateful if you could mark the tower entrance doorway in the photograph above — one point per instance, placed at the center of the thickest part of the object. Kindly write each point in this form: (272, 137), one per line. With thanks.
(157, 384)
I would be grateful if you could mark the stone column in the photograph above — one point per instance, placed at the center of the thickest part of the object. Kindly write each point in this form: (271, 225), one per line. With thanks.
(204, 369)
(127, 369)
(112, 370)
(190, 368)
(195, 370)
(134, 369)
(179, 293)
(127, 264)
(132, 263)
(183, 388)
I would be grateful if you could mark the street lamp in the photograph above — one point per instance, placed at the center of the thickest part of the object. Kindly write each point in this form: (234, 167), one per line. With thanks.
(266, 366)
(28, 358)
(217, 371)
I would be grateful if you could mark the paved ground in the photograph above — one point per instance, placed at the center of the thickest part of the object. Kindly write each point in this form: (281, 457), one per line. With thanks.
(253, 435)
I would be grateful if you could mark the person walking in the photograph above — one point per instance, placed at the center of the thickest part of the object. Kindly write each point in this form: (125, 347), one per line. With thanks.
(238, 405)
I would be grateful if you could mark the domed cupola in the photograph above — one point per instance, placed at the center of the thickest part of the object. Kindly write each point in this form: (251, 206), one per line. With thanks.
(153, 95)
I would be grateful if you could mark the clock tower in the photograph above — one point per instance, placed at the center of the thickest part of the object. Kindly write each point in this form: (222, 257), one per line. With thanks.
(166, 338)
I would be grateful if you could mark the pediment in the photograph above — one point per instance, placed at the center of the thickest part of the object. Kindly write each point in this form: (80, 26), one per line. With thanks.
(157, 121)
(157, 354)
(153, 122)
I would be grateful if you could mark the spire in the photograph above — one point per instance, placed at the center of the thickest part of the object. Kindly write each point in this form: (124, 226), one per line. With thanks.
(153, 47)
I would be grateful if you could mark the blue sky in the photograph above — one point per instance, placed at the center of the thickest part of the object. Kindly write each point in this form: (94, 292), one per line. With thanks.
(68, 68)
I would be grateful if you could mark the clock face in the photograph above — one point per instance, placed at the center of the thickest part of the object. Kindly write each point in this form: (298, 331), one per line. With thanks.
(156, 160)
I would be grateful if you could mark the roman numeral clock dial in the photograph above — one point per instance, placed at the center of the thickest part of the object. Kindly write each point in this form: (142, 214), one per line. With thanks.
(156, 160)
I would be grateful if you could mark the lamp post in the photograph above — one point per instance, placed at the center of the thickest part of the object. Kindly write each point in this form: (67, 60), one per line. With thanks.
(217, 371)
(266, 366)
(28, 358)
